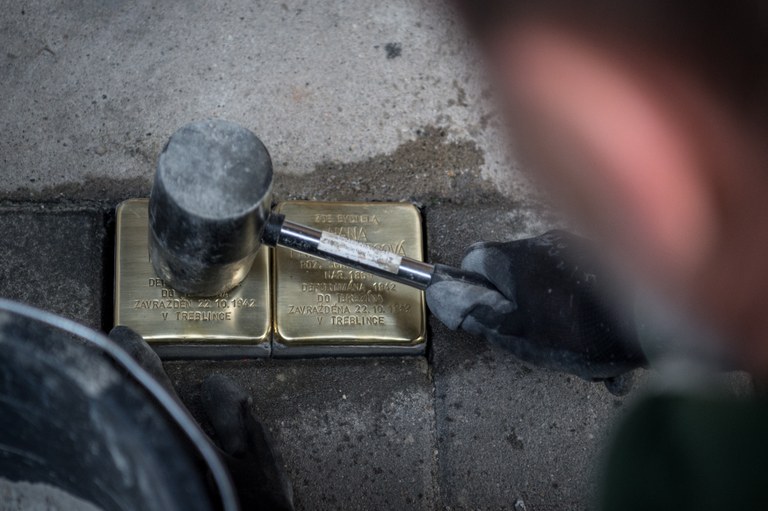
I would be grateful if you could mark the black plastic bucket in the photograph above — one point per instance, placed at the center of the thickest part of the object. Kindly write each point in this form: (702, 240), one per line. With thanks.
(77, 413)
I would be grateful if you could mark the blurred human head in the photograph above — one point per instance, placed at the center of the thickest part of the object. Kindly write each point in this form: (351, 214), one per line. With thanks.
(646, 121)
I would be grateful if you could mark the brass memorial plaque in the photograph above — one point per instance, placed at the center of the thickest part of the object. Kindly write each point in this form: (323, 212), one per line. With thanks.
(324, 308)
(233, 324)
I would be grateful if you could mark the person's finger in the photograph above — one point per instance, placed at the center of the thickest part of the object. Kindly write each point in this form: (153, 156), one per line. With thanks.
(135, 345)
(225, 406)
(267, 468)
(620, 385)
(452, 301)
(492, 261)
(528, 350)
(252, 457)
(535, 353)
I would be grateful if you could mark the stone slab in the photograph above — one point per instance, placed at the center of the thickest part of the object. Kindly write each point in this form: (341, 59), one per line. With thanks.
(354, 433)
(54, 259)
(507, 431)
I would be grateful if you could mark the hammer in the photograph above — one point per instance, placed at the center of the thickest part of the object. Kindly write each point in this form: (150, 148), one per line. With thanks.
(210, 211)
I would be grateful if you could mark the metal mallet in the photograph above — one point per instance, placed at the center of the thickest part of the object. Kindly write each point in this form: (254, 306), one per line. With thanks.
(209, 212)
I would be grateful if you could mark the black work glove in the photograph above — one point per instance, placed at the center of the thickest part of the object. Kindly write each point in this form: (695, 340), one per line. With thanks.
(244, 443)
(547, 308)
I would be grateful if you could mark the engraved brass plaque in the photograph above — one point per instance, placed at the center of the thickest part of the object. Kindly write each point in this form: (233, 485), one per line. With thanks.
(325, 308)
(237, 323)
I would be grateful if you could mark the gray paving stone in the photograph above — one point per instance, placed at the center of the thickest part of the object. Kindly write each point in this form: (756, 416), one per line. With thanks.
(355, 433)
(52, 259)
(506, 430)
(368, 433)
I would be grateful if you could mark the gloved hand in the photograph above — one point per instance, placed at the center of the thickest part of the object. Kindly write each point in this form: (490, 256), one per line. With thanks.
(547, 308)
(244, 443)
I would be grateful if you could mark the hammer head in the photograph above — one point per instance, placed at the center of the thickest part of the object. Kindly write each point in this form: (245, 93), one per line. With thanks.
(208, 206)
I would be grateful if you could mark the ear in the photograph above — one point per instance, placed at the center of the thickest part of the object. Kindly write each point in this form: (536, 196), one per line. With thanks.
(618, 145)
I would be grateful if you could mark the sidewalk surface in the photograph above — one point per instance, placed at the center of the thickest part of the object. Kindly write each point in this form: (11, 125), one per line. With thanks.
(356, 100)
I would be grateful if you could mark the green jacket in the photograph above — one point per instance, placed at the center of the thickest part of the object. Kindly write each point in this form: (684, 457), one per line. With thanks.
(688, 452)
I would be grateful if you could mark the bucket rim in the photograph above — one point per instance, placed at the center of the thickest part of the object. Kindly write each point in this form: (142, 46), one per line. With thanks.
(162, 398)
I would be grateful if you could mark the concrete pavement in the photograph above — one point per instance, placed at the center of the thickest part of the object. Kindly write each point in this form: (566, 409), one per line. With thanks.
(356, 100)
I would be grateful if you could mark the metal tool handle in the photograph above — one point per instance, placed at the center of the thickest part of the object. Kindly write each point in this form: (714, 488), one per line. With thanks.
(445, 272)
(418, 274)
